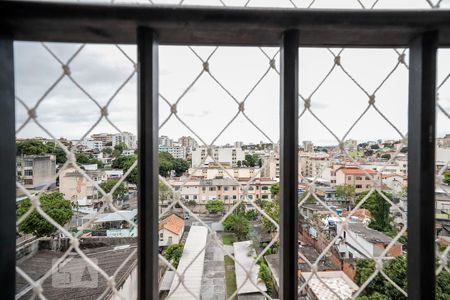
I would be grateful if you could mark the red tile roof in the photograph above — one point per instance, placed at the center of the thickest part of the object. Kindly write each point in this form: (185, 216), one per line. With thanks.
(356, 171)
(173, 223)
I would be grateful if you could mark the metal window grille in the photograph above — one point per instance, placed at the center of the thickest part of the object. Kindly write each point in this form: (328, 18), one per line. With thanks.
(148, 27)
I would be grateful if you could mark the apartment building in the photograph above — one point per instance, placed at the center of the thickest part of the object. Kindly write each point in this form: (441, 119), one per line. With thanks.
(398, 166)
(271, 166)
(127, 138)
(187, 142)
(92, 144)
(175, 151)
(214, 171)
(226, 189)
(308, 146)
(312, 164)
(230, 155)
(36, 171)
(103, 137)
(357, 177)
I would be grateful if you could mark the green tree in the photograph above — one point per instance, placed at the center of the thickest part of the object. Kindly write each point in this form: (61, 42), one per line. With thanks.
(251, 160)
(173, 254)
(346, 191)
(87, 159)
(379, 209)
(35, 147)
(265, 275)
(368, 152)
(107, 151)
(275, 189)
(386, 156)
(118, 149)
(447, 178)
(272, 209)
(238, 224)
(168, 163)
(30, 147)
(395, 269)
(124, 163)
(165, 193)
(57, 151)
(54, 205)
(262, 203)
(180, 166)
(215, 206)
(120, 191)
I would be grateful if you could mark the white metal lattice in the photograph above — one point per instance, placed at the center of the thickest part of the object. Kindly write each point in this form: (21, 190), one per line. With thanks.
(208, 70)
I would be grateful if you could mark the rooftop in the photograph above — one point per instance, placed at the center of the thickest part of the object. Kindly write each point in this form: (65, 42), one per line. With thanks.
(356, 171)
(108, 258)
(371, 235)
(173, 223)
(339, 285)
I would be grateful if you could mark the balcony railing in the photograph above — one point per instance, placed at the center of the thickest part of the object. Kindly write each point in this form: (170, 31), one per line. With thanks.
(422, 31)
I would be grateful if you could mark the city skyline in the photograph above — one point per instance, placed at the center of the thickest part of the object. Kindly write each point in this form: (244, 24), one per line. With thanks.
(206, 108)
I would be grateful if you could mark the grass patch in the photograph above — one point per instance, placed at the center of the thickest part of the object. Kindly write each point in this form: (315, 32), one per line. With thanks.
(230, 276)
(228, 238)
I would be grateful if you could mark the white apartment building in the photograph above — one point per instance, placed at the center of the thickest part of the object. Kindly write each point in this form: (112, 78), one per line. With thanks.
(215, 172)
(229, 155)
(175, 151)
(165, 141)
(226, 189)
(308, 146)
(91, 144)
(398, 166)
(127, 138)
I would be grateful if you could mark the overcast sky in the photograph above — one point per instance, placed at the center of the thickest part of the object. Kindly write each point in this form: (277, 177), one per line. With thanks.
(206, 108)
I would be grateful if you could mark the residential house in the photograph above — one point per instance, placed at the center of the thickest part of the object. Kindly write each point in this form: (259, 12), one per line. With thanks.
(171, 229)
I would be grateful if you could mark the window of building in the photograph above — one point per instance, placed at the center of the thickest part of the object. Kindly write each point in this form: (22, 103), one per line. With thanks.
(358, 186)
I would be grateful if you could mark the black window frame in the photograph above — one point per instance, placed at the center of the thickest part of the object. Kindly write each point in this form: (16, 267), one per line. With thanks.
(423, 31)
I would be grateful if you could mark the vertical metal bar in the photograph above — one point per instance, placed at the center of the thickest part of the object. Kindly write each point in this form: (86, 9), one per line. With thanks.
(148, 268)
(8, 170)
(421, 166)
(289, 165)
